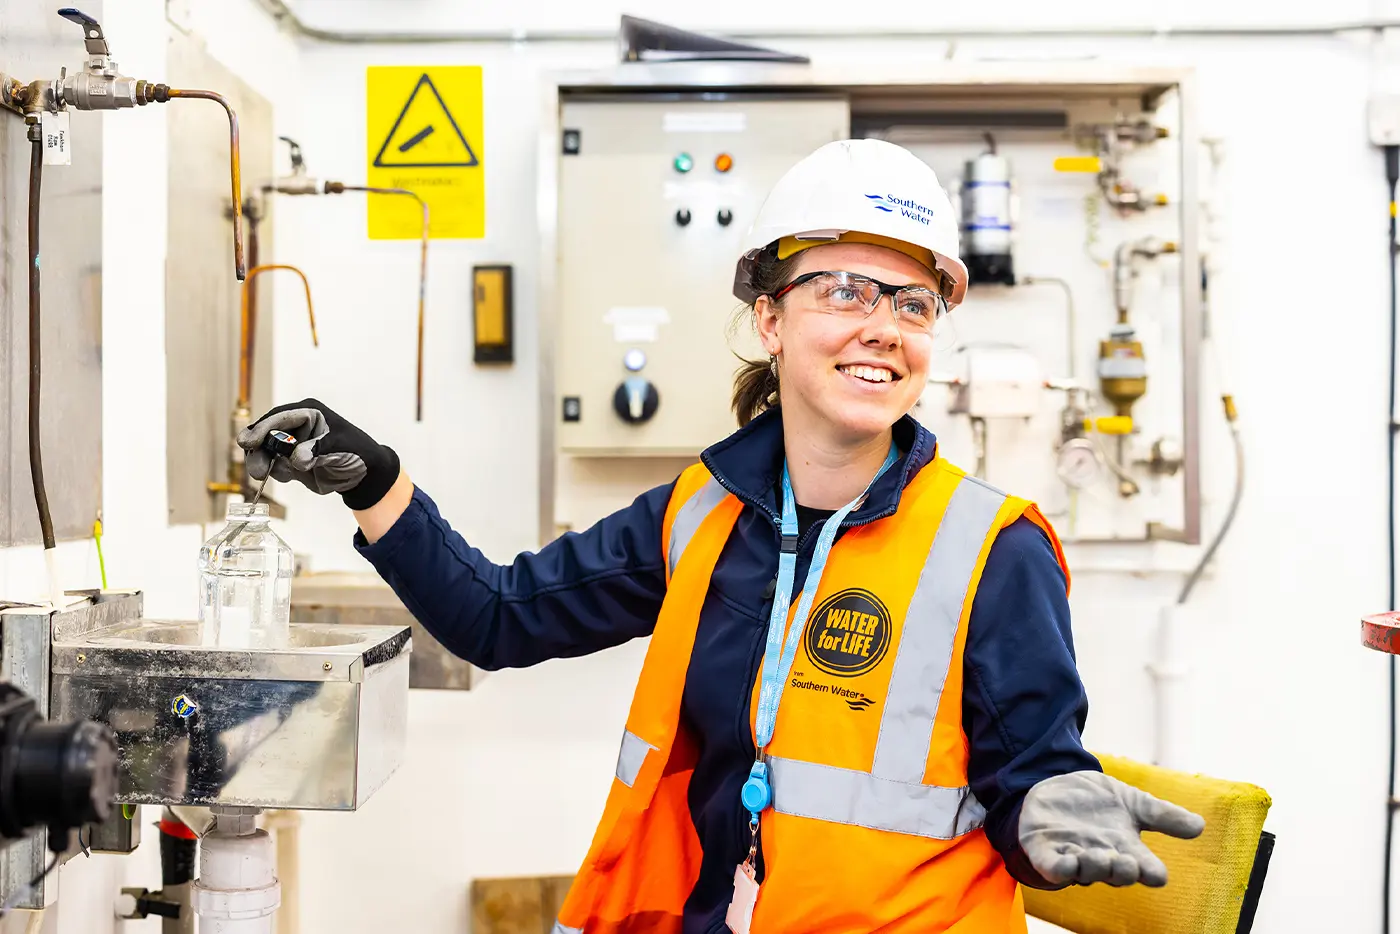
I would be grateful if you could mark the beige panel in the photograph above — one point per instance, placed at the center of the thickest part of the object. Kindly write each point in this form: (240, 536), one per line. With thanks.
(666, 287)
(202, 295)
(36, 43)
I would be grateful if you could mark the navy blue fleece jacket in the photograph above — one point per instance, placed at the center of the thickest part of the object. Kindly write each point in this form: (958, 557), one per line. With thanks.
(1023, 702)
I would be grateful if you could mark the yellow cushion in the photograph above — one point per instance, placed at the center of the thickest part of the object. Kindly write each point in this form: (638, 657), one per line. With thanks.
(1206, 877)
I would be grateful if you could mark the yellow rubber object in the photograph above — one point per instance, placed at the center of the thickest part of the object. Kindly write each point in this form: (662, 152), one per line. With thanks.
(1206, 877)
(1091, 164)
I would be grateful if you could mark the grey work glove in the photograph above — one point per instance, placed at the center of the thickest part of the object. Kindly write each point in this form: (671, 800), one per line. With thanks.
(331, 455)
(1084, 827)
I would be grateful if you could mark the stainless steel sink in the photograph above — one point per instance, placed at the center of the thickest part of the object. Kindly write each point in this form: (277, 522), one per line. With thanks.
(318, 723)
(151, 632)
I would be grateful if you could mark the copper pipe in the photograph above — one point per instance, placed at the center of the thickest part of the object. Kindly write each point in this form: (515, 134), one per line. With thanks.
(253, 218)
(235, 171)
(245, 349)
(335, 188)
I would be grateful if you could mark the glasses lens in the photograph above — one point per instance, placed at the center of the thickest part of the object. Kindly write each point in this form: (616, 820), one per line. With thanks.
(844, 292)
(919, 306)
(849, 293)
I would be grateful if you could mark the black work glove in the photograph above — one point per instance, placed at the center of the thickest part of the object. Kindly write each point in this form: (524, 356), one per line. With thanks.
(331, 455)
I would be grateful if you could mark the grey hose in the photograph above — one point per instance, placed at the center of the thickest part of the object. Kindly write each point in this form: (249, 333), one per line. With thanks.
(1200, 568)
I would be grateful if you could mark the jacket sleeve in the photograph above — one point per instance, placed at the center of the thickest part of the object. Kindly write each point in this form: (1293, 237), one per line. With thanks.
(581, 593)
(1023, 702)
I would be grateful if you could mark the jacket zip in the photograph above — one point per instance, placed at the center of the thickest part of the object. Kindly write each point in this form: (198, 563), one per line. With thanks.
(849, 522)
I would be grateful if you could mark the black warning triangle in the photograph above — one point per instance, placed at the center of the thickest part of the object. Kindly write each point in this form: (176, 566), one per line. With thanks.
(430, 139)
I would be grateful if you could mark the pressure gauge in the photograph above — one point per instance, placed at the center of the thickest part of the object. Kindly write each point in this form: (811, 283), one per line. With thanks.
(1077, 463)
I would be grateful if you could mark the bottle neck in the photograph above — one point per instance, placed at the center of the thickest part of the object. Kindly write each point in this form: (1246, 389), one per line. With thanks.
(248, 513)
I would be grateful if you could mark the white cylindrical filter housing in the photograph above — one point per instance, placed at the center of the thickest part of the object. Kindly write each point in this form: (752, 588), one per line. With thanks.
(237, 891)
(986, 202)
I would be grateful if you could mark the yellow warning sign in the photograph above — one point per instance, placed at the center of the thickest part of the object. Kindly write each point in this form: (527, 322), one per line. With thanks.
(424, 133)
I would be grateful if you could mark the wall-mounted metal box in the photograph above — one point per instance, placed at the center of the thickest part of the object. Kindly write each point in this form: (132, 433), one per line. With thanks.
(640, 162)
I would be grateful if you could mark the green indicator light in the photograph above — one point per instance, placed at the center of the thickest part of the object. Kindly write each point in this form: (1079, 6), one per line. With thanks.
(684, 163)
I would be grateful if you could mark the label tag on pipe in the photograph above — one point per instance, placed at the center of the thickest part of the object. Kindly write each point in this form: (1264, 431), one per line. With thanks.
(56, 146)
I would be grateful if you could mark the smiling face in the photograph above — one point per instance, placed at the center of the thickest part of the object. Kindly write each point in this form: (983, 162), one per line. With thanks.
(845, 376)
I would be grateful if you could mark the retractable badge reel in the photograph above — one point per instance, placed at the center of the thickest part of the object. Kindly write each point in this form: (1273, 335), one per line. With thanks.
(756, 796)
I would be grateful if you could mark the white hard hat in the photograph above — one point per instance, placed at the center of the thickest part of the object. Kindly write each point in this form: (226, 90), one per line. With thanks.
(861, 190)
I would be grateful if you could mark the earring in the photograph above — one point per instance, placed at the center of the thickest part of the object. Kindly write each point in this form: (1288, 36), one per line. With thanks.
(773, 369)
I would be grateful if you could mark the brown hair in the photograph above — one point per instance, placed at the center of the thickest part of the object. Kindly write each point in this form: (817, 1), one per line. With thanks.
(756, 381)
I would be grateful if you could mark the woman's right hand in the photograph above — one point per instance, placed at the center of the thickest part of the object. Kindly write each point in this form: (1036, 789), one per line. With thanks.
(331, 454)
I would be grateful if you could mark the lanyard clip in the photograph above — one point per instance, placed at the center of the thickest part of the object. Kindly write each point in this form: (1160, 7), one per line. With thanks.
(757, 794)
(789, 545)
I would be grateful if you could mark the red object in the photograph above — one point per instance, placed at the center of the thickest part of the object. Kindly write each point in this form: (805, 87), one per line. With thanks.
(177, 829)
(1381, 632)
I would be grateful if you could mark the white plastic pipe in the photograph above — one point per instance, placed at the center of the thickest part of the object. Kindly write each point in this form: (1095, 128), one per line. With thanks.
(1168, 673)
(237, 891)
(285, 827)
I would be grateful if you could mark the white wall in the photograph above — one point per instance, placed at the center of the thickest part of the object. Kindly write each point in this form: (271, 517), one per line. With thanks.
(1278, 681)
(1275, 666)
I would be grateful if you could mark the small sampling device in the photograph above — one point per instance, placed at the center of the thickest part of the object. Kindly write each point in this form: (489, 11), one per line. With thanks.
(278, 444)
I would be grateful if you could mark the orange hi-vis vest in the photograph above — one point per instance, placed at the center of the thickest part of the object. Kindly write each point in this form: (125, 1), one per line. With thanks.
(872, 826)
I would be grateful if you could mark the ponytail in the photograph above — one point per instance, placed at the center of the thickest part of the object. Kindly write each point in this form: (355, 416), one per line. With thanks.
(756, 382)
(755, 390)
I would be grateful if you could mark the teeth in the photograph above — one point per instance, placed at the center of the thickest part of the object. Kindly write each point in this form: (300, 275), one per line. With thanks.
(868, 373)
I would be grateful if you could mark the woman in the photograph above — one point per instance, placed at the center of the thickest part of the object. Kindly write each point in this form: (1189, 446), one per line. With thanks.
(904, 750)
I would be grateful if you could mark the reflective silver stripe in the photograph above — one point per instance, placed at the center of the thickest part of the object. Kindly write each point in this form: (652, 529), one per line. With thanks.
(688, 519)
(930, 627)
(560, 929)
(847, 796)
(631, 756)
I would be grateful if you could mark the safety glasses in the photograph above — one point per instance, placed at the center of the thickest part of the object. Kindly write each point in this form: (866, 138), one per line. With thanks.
(854, 295)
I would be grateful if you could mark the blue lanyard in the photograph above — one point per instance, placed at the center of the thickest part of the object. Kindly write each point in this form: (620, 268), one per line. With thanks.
(779, 656)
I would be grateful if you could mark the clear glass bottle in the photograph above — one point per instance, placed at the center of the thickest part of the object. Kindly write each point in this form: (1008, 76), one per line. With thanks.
(245, 582)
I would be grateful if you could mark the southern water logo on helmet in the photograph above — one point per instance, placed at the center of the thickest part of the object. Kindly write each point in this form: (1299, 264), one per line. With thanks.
(906, 206)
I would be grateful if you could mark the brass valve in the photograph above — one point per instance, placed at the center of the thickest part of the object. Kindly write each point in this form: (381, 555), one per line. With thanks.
(1122, 369)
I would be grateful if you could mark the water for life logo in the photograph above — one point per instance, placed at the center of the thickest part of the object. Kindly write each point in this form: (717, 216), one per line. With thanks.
(849, 633)
(891, 204)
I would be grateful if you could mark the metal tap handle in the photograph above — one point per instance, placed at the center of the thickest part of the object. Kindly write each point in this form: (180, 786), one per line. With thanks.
(297, 162)
(92, 30)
